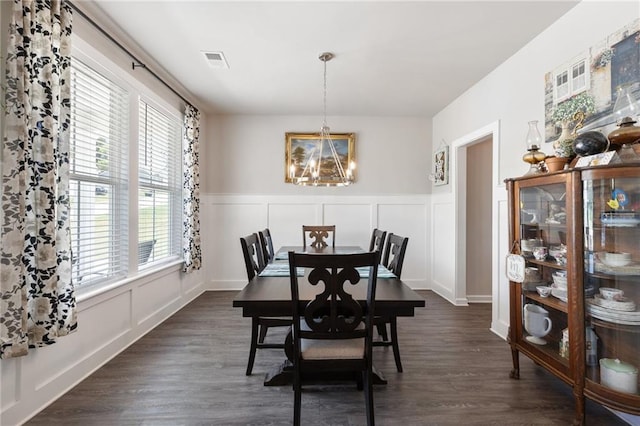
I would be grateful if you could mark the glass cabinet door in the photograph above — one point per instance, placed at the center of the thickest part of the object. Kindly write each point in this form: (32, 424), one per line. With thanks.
(542, 229)
(611, 200)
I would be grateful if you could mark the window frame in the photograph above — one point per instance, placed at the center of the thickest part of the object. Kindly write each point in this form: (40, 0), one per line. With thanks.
(136, 90)
(567, 69)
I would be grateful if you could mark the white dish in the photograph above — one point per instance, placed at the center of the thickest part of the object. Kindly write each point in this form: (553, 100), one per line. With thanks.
(616, 317)
(611, 293)
(544, 290)
(560, 293)
(622, 304)
(630, 269)
(616, 259)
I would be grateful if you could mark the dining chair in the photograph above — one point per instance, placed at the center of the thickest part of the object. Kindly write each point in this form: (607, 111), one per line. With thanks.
(267, 245)
(144, 251)
(254, 263)
(377, 240)
(333, 333)
(393, 259)
(318, 234)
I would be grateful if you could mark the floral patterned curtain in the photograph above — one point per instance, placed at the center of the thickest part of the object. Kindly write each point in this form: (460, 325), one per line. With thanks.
(191, 190)
(37, 302)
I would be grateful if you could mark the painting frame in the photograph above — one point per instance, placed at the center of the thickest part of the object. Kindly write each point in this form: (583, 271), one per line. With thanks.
(441, 166)
(300, 145)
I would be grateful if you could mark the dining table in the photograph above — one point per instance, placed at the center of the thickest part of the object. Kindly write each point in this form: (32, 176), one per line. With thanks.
(268, 294)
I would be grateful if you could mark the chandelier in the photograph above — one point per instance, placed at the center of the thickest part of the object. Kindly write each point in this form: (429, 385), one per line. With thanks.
(323, 165)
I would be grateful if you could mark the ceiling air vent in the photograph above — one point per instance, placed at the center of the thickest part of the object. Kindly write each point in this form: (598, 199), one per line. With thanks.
(216, 59)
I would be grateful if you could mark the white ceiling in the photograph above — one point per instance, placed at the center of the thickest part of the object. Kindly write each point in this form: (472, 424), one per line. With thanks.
(391, 58)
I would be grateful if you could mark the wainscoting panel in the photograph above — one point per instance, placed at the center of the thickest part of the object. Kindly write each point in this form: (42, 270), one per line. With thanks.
(229, 217)
(108, 322)
(409, 220)
(500, 325)
(353, 223)
(228, 222)
(443, 247)
(285, 221)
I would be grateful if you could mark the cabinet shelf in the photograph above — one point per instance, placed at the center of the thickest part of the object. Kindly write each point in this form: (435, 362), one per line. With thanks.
(613, 326)
(549, 301)
(546, 263)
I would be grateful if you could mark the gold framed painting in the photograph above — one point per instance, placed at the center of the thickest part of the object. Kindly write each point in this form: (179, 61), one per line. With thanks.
(307, 151)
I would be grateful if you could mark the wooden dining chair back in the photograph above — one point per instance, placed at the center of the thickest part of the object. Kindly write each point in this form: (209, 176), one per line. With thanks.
(394, 252)
(266, 245)
(393, 259)
(253, 256)
(333, 331)
(317, 235)
(254, 261)
(377, 240)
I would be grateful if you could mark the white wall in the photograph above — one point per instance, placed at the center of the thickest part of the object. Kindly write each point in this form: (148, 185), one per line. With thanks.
(512, 95)
(392, 154)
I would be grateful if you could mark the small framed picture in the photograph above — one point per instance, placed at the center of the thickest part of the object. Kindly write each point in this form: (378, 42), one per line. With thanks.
(441, 166)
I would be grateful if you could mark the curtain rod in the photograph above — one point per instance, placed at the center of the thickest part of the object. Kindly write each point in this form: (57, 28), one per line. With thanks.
(136, 62)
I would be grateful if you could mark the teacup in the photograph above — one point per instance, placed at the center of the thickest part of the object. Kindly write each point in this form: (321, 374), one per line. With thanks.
(610, 293)
(540, 252)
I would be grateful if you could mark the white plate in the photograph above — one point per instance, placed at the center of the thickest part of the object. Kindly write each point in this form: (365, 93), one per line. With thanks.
(624, 304)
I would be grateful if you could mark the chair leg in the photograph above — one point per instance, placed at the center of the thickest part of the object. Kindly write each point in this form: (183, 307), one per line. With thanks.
(254, 344)
(394, 341)
(263, 333)
(297, 399)
(368, 395)
(382, 331)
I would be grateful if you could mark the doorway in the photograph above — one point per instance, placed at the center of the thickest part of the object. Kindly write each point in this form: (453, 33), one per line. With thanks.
(478, 220)
(463, 164)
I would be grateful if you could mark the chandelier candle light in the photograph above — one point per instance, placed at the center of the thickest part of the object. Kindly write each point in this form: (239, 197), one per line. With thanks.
(315, 161)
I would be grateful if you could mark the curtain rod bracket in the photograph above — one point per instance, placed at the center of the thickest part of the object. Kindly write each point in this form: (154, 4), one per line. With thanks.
(135, 65)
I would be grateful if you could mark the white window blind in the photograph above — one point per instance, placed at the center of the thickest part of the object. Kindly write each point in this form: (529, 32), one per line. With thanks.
(160, 185)
(98, 176)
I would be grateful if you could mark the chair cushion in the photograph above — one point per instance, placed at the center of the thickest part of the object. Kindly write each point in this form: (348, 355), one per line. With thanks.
(331, 349)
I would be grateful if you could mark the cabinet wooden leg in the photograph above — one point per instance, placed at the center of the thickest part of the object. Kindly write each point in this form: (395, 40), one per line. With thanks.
(515, 373)
(580, 407)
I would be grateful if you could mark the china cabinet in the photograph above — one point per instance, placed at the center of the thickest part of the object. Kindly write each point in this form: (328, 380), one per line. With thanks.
(576, 312)
(611, 247)
(544, 213)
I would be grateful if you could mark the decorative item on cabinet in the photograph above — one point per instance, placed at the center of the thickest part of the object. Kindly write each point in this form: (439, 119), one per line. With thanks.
(555, 164)
(533, 156)
(590, 143)
(626, 133)
(626, 111)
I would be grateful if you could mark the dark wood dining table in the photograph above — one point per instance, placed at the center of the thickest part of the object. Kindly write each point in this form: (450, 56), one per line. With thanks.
(270, 296)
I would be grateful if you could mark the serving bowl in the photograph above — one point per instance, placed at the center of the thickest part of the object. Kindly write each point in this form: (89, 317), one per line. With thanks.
(616, 258)
(544, 290)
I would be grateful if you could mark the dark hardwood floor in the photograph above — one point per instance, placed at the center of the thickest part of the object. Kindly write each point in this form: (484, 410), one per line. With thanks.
(190, 371)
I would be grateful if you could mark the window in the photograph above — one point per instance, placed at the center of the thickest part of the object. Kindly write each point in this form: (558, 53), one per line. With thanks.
(125, 173)
(579, 77)
(562, 85)
(160, 185)
(571, 79)
(98, 176)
